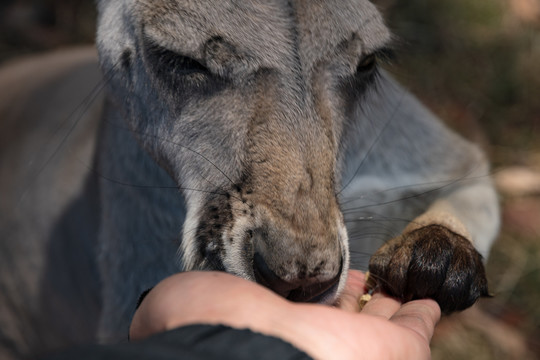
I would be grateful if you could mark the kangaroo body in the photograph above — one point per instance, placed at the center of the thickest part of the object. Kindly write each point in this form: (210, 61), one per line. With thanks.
(256, 137)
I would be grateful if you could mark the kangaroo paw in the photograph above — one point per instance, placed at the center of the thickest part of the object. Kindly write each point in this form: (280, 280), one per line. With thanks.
(431, 262)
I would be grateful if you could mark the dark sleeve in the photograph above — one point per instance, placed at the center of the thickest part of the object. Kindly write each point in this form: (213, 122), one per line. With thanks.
(194, 342)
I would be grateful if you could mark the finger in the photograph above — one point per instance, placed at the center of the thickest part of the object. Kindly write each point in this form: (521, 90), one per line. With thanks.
(381, 305)
(420, 316)
(354, 288)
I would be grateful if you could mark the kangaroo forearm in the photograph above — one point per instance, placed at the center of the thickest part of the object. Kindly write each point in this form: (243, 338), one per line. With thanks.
(470, 211)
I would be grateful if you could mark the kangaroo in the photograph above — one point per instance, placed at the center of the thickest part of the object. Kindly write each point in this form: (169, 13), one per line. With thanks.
(260, 138)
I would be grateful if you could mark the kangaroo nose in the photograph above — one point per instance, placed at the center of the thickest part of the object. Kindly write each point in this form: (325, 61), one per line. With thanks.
(299, 290)
(265, 276)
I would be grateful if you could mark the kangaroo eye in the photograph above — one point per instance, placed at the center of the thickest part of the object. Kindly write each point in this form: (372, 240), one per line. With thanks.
(168, 63)
(180, 73)
(176, 63)
(367, 64)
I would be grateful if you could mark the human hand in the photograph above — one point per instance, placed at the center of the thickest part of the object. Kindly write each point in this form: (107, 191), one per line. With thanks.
(385, 329)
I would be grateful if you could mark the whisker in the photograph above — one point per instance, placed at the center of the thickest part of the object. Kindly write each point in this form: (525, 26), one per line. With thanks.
(140, 186)
(375, 142)
(413, 196)
(445, 183)
(78, 114)
(160, 138)
(175, 144)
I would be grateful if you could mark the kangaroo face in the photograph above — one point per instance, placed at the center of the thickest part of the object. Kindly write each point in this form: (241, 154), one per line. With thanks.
(244, 104)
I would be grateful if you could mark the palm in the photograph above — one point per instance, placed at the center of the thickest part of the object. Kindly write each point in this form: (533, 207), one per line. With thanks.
(384, 329)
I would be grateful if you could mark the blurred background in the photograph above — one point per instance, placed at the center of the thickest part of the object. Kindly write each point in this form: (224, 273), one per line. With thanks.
(474, 63)
(477, 65)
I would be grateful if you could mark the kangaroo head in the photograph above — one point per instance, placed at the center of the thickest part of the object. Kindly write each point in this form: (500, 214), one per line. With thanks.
(245, 104)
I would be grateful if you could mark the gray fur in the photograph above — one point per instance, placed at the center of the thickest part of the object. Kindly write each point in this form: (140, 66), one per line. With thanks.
(271, 148)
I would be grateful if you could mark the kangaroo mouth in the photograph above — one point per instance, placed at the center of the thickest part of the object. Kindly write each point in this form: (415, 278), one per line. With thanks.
(316, 293)
(302, 290)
